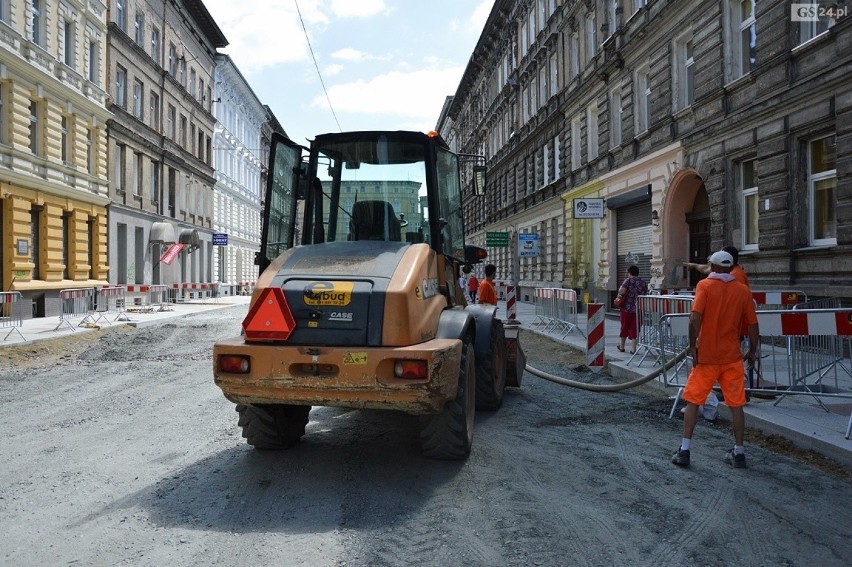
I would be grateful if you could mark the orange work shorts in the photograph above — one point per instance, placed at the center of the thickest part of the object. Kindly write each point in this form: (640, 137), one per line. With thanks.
(730, 376)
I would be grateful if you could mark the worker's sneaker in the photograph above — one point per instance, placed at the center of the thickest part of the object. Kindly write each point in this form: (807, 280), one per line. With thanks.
(681, 458)
(735, 460)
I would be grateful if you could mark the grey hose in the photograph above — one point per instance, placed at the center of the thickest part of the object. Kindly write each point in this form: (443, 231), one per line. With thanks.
(607, 387)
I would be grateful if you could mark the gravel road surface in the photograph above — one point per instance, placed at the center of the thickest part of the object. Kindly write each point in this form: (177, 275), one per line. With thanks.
(118, 449)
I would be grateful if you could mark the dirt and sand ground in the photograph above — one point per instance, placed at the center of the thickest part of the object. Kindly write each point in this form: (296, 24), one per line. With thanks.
(119, 449)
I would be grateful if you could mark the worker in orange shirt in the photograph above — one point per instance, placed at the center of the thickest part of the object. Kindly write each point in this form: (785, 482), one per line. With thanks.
(721, 304)
(487, 291)
(737, 270)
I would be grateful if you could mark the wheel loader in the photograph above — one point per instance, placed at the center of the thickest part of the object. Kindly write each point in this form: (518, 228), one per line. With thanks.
(358, 302)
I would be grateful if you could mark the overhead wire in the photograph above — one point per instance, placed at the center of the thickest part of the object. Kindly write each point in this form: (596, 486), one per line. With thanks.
(316, 66)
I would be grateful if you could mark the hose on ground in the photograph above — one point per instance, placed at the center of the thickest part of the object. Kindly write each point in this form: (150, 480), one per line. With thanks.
(607, 387)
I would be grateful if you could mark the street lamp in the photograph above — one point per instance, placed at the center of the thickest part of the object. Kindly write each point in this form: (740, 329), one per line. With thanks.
(479, 180)
(479, 171)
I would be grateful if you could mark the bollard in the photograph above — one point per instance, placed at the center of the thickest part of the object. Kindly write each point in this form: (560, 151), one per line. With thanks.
(596, 336)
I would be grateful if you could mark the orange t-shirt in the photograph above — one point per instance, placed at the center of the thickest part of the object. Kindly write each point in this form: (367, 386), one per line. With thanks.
(723, 306)
(487, 293)
(740, 275)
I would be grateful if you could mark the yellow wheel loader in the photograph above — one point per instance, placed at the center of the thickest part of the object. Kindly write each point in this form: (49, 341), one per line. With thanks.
(358, 303)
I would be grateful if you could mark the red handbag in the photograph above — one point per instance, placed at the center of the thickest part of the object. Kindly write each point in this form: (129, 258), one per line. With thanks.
(618, 301)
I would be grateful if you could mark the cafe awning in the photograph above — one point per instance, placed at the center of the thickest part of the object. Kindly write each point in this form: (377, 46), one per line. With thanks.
(190, 239)
(162, 233)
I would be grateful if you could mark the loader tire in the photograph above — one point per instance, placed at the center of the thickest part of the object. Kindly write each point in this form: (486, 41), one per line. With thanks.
(491, 371)
(269, 427)
(449, 434)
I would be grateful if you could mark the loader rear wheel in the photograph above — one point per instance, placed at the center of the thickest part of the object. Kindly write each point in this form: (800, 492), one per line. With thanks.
(449, 434)
(491, 371)
(273, 426)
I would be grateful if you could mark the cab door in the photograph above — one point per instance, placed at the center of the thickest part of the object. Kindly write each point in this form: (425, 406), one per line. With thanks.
(279, 206)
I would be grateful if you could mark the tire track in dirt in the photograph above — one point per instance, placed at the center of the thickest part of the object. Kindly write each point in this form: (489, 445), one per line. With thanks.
(702, 522)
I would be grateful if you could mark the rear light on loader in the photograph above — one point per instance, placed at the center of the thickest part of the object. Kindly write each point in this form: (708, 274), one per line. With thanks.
(410, 369)
(234, 364)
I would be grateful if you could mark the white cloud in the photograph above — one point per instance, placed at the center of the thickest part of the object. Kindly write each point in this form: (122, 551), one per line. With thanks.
(349, 54)
(358, 8)
(480, 15)
(418, 95)
(333, 70)
(263, 38)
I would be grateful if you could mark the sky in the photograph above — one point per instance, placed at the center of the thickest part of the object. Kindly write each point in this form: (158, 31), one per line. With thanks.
(386, 64)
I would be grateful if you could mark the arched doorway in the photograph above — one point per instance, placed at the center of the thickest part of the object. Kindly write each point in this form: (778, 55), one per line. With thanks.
(699, 233)
(686, 227)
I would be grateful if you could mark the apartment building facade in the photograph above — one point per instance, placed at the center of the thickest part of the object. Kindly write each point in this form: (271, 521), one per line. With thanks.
(239, 158)
(53, 149)
(651, 132)
(161, 68)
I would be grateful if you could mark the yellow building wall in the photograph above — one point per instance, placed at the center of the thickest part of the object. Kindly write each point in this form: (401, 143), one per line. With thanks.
(580, 264)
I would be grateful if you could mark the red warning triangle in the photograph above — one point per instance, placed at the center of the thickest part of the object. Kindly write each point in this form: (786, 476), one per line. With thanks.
(269, 318)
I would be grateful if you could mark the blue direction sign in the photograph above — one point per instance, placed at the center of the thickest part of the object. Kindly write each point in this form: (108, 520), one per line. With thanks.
(527, 245)
(220, 239)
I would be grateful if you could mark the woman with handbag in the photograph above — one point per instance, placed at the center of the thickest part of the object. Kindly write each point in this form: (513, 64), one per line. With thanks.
(626, 301)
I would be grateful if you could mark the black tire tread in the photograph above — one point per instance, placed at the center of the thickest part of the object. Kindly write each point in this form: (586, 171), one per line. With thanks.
(489, 387)
(445, 435)
(273, 427)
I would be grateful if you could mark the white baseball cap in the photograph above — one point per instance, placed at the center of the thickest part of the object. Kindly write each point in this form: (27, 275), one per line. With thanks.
(721, 258)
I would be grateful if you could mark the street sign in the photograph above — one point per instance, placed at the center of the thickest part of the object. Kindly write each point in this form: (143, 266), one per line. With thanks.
(497, 239)
(588, 208)
(527, 244)
(220, 239)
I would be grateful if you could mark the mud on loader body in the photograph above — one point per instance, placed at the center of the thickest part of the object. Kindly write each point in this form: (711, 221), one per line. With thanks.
(358, 302)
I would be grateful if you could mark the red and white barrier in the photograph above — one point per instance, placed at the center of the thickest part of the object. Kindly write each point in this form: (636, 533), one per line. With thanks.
(829, 322)
(778, 297)
(511, 307)
(596, 337)
(78, 302)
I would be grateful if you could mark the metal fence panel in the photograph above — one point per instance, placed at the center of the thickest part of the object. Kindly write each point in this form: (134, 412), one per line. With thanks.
(556, 309)
(76, 303)
(11, 313)
(798, 350)
(110, 303)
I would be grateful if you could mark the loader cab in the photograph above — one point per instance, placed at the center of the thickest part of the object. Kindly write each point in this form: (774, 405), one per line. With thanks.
(395, 187)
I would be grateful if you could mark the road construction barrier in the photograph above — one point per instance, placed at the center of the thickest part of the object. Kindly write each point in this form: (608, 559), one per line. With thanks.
(158, 297)
(511, 306)
(778, 299)
(799, 352)
(672, 291)
(11, 313)
(182, 292)
(110, 304)
(824, 303)
(556, 310)
(246, 287)
(649, 311)
(137, 297)
(215, 291)
(76, 303)
(596, 338)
